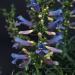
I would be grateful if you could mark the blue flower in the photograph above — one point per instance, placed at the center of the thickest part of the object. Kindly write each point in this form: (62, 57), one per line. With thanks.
(18, 57)
(54, 50)
(72, 12)
(15, 45)
(53, 25)
(60, 27)
(42, 50)
(57, 12)
(33, 1)
(35, 5)
(22, 42)
(56, 39)
(24, 21)
(73, 24)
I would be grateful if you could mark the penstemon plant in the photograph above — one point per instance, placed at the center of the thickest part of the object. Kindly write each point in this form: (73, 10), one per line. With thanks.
(42, 56)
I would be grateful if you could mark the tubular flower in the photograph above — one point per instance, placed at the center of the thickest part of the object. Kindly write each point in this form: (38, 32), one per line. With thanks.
(35, 5)
(26, 32)
(56, 39)
(41, 50)
(55, 50)
(60, 27)
(57, 12)
(23, 42)
(73, 24)
(72, 12)
(18, 23)
(53, 25)
(18, 57)
(15, 45)
(24, 21)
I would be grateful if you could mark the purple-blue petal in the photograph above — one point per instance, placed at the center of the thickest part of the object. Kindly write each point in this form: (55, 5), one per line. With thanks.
(73, 12)
(24, 21)
(60, 27)
(55, 23)
(73, 24)
(22, 42)
(18, 23)
(18, 56)
(15, 45)
(56, 39)
(57, 12)
(14, 61)
(33, 1)
(35, 5)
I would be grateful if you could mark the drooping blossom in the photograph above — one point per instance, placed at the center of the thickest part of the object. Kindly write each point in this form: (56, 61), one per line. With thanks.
(60, 27)
(41, 50)
(54, 50)
(35, 5)
(73, 24)
(57, 12)
(24, 21)
(54, 24)
(18, 57)
(56, 39)
(26, 32)
(72, 12)
(23, 42)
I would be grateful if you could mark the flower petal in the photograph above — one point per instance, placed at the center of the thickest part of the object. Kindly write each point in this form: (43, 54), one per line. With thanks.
(72, 12)
(18, 56)
(50, 62)
(50, 33)
(53, 25)
(56, 39)
(54, 49)
(24, 21)
(57, 12)
(16, 45)
(26, 32)
(23, 42)
(35, 5)
(14, 61)
(18, 23)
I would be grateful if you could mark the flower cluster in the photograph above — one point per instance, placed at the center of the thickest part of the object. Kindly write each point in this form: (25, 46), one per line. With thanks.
(43, 48)
(44, 22)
